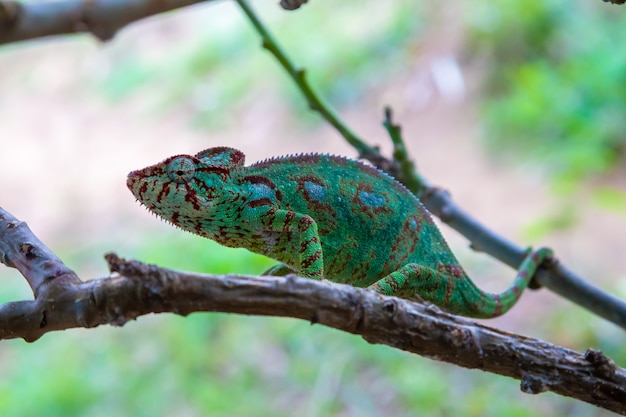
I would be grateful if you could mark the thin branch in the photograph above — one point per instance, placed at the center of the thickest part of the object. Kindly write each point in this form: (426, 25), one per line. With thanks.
(134, 289)
(103, 18)
(21, 249)
(559, 279)
(402, 167)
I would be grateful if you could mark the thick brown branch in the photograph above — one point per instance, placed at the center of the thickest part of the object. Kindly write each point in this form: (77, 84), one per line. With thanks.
(134, 289)
(102, 18)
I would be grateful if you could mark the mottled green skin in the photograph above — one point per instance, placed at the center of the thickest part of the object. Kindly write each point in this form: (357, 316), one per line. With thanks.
(321, 216)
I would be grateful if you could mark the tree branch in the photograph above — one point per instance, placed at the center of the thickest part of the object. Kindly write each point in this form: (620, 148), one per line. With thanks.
(102, 18)
(134, 289)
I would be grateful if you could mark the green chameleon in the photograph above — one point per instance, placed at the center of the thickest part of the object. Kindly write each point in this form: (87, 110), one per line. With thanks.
(321, 216)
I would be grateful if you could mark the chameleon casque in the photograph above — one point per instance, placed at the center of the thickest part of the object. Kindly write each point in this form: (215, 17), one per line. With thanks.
(321, 216)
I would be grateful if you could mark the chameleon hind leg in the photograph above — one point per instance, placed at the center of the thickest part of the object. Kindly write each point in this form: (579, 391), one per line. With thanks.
(455, 292)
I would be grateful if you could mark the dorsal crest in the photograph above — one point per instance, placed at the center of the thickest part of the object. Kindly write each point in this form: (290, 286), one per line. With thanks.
(222, 157)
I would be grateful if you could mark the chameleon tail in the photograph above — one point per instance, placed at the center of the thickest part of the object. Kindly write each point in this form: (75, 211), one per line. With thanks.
(486, 305)
(458, 294)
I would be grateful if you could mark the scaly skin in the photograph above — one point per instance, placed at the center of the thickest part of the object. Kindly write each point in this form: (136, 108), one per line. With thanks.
(321, 216)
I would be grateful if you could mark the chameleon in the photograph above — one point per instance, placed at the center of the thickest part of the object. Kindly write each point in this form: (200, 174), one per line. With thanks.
(322, 217)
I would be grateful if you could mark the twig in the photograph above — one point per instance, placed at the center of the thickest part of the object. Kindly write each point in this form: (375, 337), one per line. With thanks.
(103, 18)
(405, 167)
(559, 279)
(134, 289)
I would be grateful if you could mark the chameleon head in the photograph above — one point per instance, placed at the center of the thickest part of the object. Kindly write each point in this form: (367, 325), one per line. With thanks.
(184, 189)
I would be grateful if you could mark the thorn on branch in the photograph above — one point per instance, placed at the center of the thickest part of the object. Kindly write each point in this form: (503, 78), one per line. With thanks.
(602, 365)
(83, 23)
(532, 384)
(9, 14)
(28, 251)
(292, 4)
(390, 307)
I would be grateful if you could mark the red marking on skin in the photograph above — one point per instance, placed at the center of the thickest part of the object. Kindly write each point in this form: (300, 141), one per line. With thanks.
(393, 284)
(288, 220)
(424, 275)
(304, 223)
(523, 274)
(236, 157)
(498, 301)
(260, 202)
(163, 192)
(258, 179)
(449, 289)
(222, 172)
(143, 188)
(454, 270)
(517, 291)
(209, 192)
(192, 198)
(310, 260)
(535, 257)
(175, 217)
(305, 244)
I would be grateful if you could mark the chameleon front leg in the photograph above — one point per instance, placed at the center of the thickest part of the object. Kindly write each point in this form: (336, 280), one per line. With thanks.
(308, 257)
(458, 294)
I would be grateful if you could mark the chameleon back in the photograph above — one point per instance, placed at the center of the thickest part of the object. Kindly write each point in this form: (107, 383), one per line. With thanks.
(369, 224)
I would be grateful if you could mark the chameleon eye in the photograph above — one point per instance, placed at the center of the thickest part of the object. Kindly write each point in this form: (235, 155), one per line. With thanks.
(181, 170)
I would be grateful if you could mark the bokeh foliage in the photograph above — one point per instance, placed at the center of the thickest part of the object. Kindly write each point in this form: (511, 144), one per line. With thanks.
(555, 82)
(221, 66)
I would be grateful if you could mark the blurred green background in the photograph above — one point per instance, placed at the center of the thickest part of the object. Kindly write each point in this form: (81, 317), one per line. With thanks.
(522, 99)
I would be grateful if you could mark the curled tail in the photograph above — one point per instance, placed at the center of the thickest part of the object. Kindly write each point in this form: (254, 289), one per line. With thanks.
(457, 293)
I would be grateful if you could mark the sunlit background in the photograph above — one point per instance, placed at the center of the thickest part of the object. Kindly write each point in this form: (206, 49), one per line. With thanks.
(516, 107)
